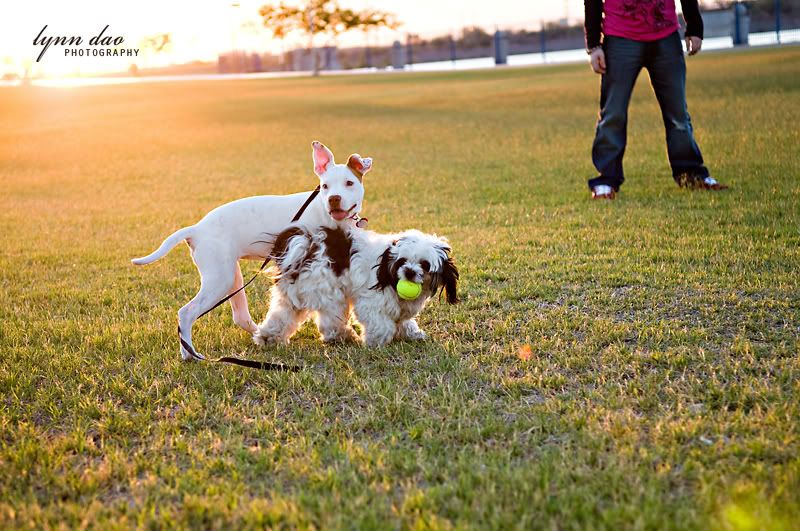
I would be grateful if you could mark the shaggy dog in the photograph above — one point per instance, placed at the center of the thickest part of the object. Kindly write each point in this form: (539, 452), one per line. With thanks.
(331, 270)
(245, 229)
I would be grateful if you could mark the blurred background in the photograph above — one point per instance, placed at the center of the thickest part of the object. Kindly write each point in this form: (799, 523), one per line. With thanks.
(262, 38)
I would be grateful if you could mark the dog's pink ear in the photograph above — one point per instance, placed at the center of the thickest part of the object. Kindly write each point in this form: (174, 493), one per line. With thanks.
(322, 157)
(359, 166)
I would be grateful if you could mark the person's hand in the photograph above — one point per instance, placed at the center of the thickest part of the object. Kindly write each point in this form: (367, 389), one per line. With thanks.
(693, 45)
(598, 60)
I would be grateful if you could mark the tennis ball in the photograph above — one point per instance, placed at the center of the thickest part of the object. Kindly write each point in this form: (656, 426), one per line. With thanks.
(408, 290)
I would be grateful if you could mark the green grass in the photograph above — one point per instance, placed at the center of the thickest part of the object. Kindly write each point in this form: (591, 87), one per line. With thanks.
(662, 390)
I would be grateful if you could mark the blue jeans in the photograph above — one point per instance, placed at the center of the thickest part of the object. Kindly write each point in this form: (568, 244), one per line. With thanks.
(664, 61)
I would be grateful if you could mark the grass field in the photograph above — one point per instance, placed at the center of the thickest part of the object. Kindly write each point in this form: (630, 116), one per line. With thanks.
(662, 389)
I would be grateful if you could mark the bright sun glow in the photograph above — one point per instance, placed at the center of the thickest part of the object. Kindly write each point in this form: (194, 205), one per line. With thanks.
(199, 31)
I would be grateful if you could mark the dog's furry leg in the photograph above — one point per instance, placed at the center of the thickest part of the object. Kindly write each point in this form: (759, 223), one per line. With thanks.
(282, 321)
(379, 329)
(241, 313)
(216, 281)
(410, 330)
(333, 325)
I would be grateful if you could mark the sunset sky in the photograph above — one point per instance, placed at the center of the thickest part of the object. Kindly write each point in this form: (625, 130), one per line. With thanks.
(200, 30)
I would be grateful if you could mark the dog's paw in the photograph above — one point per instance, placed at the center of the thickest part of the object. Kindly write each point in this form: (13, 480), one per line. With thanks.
(377, 341)
(350, 336)
(261, 340)
(341, 335)
(417, 335)
(188, 357)
(410, 331)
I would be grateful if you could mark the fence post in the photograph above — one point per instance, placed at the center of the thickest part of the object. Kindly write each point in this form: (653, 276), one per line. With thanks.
(543, 43)
(409, 51)
(500, 48)
(452, 49)
(331, 58)
(398, 61)
(741, 24)
(778, 20)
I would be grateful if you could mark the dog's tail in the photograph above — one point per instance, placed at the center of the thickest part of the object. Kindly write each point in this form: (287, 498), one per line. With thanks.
(172, 240)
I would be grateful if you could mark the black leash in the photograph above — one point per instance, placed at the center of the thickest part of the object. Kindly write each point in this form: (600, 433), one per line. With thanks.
(239, 361)
(265, 365)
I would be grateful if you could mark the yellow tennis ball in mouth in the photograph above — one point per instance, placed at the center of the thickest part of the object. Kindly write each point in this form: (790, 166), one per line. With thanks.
(408, 290)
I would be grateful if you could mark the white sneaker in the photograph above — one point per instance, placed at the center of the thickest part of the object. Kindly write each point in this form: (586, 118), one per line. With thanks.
(603, 191)
(693, 182)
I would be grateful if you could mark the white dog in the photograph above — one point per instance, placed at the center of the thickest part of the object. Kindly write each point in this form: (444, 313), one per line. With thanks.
(246, 229)
(328, 271)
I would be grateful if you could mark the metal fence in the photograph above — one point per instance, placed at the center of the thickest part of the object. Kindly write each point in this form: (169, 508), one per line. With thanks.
(533, 42)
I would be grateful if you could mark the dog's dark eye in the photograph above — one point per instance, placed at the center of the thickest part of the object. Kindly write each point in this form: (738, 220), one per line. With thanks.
(425, 265)
(324, 186)
(349, 183)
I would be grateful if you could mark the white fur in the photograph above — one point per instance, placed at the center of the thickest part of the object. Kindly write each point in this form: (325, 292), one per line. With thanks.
(246, 229)
(317, 290)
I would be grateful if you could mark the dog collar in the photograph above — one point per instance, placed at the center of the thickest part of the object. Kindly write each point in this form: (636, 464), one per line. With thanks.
(361, 223)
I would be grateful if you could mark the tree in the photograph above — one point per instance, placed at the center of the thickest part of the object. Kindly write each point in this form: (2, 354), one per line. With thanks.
(158, 42)
(475, 37)
(149, 46)
(321, 17)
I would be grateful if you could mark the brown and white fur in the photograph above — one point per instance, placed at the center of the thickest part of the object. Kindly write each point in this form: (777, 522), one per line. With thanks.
(327, 272)
(246, 228)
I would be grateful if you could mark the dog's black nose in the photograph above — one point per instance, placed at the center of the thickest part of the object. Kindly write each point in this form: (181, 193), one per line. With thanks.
(335, 200)
(411, 275)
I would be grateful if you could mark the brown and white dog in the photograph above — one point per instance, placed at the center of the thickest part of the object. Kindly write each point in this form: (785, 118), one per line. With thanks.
(325, 272)
(246, 228)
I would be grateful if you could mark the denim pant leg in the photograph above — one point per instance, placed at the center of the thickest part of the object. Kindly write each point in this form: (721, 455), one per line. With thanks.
(667, 69)
(624, 61)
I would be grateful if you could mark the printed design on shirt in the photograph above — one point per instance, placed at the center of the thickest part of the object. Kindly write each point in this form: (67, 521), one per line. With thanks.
(651, 12)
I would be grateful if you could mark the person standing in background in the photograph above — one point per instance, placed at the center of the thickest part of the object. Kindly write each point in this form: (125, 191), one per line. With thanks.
(640, 34)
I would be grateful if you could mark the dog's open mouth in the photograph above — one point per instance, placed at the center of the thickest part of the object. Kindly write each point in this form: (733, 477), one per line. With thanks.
(338, 214)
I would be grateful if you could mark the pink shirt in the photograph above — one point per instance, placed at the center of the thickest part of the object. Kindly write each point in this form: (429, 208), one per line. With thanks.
(640, 20)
